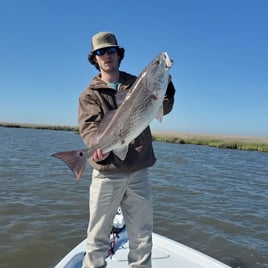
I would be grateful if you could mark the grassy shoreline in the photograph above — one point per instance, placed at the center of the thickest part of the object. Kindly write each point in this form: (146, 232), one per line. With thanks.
(38, 126)
(219, 141)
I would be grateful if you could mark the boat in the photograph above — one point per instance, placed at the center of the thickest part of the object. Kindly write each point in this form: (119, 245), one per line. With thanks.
(165, 253)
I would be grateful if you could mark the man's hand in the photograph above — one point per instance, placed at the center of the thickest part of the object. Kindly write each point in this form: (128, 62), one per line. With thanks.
(99, 156)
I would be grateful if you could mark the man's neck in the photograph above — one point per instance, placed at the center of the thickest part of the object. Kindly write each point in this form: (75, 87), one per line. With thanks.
(110, 77)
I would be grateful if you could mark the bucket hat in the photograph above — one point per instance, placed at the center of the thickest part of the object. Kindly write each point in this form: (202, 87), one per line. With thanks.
(102, 40)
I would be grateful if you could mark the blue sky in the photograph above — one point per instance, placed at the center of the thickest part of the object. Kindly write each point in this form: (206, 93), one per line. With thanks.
(219, 48)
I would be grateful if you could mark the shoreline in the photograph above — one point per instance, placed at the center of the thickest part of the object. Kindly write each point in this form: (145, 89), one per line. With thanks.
(220, 141)
(38, 126)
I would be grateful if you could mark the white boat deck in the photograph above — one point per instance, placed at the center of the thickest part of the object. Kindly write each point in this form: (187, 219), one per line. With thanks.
(166, 253)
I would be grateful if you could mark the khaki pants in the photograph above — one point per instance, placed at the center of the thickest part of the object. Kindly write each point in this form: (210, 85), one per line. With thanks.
(133, 193)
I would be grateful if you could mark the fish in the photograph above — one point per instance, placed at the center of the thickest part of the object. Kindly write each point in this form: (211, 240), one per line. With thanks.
(137, 107)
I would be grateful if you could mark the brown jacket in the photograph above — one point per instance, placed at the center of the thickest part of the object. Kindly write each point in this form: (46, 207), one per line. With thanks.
(94, 102)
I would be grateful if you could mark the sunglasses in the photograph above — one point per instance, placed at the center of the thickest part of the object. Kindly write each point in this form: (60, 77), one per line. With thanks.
(109, 50)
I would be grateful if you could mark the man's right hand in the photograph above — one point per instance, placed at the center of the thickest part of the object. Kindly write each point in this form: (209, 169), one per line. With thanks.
(99, 156)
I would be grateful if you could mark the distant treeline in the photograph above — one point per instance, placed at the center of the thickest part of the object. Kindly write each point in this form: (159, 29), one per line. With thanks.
(220, 141)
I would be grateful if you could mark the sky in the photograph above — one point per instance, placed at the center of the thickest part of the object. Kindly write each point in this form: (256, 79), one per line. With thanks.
(219, 49)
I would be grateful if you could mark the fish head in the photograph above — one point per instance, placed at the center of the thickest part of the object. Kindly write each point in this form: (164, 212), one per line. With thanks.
(157, 72)
(161, 63)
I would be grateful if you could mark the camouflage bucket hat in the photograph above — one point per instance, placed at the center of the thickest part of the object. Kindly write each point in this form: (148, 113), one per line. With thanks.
(102, 40)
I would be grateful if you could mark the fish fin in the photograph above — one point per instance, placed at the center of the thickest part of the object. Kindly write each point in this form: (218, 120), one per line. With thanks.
(75, 161)
(122, 152)
(159, 115)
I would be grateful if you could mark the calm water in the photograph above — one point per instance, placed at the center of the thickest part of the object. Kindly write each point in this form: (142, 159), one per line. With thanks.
(213, 200)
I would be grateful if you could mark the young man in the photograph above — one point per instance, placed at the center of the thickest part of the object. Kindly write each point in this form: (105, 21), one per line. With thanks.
(115, 182)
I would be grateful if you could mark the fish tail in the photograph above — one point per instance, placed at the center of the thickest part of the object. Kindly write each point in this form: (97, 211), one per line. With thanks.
(75, 161)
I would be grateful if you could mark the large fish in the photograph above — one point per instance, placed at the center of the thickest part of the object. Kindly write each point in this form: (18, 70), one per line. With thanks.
(140, 105)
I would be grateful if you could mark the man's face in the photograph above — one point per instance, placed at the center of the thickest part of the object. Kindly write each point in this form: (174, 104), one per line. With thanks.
(108, 62)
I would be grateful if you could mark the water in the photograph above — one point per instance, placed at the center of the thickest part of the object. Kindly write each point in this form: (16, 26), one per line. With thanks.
(213, 200)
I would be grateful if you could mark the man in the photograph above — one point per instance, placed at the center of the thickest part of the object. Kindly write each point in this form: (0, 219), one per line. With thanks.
(115, 182)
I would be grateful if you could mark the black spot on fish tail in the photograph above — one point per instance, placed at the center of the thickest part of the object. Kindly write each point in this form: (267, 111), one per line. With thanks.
(75, 160)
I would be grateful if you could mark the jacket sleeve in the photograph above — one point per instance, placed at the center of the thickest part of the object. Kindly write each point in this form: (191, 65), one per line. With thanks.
(169, 98)
(89, 116)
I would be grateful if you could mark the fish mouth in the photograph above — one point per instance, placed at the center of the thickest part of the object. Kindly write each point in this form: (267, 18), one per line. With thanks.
(169, 62)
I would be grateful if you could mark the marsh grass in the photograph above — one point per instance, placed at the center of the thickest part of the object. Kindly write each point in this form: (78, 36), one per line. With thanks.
(39, 126)
(219, 141)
